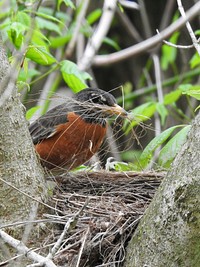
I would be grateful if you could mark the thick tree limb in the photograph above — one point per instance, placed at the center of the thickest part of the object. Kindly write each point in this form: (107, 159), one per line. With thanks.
(168, 234)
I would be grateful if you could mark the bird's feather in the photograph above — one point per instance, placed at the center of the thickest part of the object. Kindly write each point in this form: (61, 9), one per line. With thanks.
(45, 126)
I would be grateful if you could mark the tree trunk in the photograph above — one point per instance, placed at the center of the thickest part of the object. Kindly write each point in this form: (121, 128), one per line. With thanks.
(21, 177)
(169, 233)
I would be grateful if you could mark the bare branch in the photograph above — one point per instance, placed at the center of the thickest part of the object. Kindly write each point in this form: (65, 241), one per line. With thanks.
(79, 20)
(71, 220)
(98, 36)
(145, 19)
(191, 32)
(167, 12)
(129, 4)
(128, 26)
(84, 238)
(60, 239)
(157, 69)
(174, 45)
(22, 249)
(149, 43)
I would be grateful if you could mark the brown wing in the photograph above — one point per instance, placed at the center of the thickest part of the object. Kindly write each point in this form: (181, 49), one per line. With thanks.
(45, 126)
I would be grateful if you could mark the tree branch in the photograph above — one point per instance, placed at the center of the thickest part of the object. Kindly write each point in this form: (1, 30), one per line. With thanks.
(149, 43)
(22, 249)
(129, 4)
(98, 36)
(189, 28)
(79, 20)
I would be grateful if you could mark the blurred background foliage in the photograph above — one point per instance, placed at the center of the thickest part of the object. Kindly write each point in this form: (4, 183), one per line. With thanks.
(159, 86)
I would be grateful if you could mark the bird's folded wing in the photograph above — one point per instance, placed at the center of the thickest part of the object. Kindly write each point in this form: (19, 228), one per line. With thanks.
(45, 126)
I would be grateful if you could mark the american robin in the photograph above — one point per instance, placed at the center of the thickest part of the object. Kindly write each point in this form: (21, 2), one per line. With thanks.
(71, 133)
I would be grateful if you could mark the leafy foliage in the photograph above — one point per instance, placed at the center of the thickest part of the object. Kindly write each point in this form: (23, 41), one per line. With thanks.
(169, 150)
(73, 77)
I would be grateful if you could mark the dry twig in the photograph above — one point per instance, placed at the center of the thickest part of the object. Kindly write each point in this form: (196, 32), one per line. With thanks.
(21, 248)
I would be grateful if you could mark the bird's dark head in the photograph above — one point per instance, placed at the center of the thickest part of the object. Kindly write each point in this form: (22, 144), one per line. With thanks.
(100, 102)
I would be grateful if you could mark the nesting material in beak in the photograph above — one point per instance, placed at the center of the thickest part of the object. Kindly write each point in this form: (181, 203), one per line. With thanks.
(118, 110)
(114, 110)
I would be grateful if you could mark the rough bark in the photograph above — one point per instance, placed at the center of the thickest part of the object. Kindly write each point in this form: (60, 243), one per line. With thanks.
(20, 174)
(169, 233)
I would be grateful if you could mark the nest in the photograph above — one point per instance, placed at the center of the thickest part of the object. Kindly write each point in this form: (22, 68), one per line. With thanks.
(98, 213)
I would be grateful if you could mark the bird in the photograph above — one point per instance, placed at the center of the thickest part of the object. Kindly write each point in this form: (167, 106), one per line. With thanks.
(68, 135)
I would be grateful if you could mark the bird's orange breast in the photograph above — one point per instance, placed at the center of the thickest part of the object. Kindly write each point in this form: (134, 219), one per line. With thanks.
(74, 143)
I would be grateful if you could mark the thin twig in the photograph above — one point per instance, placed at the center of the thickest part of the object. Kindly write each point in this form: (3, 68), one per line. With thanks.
(174, 45)
(29, 226)
(129, 4)
(167, 14)
(82, 246)
(189, 28)
(158, 78)
(60, 239)
(145, 19)
(57, 245)
(84, 5)
(128, 26)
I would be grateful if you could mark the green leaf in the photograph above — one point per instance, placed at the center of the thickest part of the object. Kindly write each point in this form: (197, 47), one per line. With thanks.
(23, 18)
(61, 40)
(147, 153)
(5, 14)
(31, 112)
(46, 16)
(24, 76)
(172, 97)
(197, 32)
(122, 166)
(131, 155)
(94, 16)
(66, 2)
(195, 61)
(112, 43)
(21, 85)
(61, 16)
(74, 78)
(168, 52)
(49, 25)
(169, 151)
(40, 55)
(39, 39)
(193, 91)
(185, 87)
(16, 33)
(162, 111)
(139, 114)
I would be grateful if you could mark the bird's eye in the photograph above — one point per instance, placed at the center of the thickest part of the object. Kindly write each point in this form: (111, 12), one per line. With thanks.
(98, 99)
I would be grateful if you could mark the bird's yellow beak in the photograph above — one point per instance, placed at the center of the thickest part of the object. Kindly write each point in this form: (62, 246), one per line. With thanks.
(115, 110)
(118, 110)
